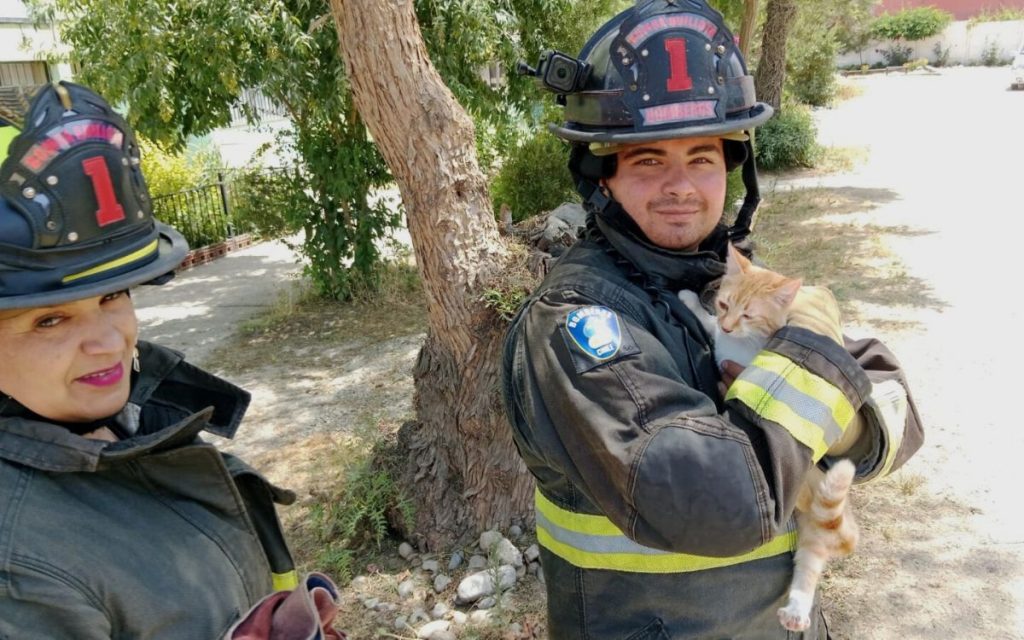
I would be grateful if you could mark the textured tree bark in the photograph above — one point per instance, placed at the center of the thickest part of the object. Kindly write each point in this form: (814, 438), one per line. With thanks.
(462, 471)
(771, 68)
(747, 27)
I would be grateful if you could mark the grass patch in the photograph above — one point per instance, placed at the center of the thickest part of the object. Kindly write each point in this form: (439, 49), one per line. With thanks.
(396, 308)
(814, 234)
(840, 159)
(846, 90)
(341, 527)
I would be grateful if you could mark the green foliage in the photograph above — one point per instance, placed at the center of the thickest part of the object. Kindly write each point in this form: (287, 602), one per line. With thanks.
(914, 65)
(896, 55)
(535, 177)
(787, 140)
(732, 11)
(466, 36)
(169, 171)
(734, 189)
(1002, 14)
(185, 192)
(354, 517)
(911, 24)
(810, 65)
(852, 25)
(821, 29)
(990, 54)
(180, 67)
(264, 201)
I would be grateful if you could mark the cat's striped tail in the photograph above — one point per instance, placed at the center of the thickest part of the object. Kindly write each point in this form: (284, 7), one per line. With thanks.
(828, 504)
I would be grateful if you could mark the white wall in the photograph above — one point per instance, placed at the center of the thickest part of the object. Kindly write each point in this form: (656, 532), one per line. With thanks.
(966, 45)
(13, 9)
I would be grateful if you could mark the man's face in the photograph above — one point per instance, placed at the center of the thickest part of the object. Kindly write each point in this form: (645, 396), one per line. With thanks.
(673, 189)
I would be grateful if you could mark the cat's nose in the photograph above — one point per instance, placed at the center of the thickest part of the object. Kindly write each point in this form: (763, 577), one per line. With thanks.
(727, 329)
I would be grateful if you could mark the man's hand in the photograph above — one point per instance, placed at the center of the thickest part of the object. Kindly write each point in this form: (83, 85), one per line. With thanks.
(730, 371)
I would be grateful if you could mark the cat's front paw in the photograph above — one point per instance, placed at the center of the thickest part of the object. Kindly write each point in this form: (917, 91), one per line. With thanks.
(794, 618)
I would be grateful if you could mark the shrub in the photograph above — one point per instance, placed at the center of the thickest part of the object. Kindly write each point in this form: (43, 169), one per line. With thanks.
(941, 55)
(184, 190)
(990, 54)
(1002, 14)
(263, 202)
(911, 24)
(534, 177)
(787, 140)
(169, 172)
(896, 55)
(811, 69)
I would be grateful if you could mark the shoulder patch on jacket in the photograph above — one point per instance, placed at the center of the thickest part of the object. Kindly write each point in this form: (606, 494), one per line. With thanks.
(595, 336)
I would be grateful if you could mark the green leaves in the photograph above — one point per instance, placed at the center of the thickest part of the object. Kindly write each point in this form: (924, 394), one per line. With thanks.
(911, 24)
(178, 67)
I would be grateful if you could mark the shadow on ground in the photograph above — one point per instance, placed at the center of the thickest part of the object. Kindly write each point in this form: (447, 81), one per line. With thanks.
(824, 236)
(905, 564)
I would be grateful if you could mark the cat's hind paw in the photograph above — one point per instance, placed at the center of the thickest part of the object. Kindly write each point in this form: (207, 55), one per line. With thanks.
(794, 617)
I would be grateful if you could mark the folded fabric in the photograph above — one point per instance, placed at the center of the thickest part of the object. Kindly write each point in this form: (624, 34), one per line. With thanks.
(304, 613)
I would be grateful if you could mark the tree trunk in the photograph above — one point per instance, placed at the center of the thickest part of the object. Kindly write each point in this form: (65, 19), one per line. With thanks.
(747, 27)
(771, 68)
(461, 469)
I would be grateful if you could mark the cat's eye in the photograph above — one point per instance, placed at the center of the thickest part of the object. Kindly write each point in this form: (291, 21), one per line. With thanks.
(723, 306)
(746, 316)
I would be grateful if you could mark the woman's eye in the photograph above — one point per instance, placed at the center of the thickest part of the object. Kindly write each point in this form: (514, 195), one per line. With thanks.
(112, 296)
(48, 321)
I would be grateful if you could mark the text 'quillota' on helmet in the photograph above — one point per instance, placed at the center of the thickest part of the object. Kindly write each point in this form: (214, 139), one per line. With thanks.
(659, 70)
(76, 220)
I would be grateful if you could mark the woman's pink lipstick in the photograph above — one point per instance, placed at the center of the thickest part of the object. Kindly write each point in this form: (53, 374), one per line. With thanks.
(104, 378)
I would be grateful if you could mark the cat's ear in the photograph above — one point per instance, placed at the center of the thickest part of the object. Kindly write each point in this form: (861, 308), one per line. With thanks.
(786, 292)
(735, 262)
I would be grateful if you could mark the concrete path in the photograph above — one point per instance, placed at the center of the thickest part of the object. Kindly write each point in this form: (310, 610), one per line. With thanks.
(204, 306)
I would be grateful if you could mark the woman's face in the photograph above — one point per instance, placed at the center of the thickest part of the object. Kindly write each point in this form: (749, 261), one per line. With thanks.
(70, 362)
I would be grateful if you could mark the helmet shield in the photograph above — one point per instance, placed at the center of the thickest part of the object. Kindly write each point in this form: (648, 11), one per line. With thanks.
(75, 215)
(661, 69)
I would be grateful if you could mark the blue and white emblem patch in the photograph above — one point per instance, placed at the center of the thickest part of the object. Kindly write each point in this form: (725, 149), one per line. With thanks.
(596, 331)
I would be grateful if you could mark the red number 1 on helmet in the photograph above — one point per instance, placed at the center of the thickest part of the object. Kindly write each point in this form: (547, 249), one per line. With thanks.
(679, 76)
(110, 210)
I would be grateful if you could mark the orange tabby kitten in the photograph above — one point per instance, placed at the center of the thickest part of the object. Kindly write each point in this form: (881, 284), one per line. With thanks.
(752, 303)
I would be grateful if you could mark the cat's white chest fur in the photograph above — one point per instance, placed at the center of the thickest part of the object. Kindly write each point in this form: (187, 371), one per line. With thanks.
(728, 346)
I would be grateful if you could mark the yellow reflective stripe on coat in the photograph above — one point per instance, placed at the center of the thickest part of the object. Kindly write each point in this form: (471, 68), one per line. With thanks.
(593, 542)
(285, 581)
(811, 409)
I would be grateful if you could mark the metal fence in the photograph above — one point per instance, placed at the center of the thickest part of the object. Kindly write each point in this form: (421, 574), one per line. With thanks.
(201, 214)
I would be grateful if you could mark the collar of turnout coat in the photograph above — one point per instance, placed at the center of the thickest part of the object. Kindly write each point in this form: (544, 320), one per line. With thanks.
(674, 270)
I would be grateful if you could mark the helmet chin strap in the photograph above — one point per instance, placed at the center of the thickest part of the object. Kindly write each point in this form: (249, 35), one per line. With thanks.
(745, 218)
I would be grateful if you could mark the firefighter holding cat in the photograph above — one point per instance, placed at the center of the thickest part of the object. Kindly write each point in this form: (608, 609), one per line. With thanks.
(664, 510)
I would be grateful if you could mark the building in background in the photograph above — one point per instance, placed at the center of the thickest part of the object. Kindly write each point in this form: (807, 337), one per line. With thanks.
(27, 53)
(961, 9)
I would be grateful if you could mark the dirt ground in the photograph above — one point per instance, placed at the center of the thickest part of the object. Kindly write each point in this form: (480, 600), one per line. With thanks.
(937, 195)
